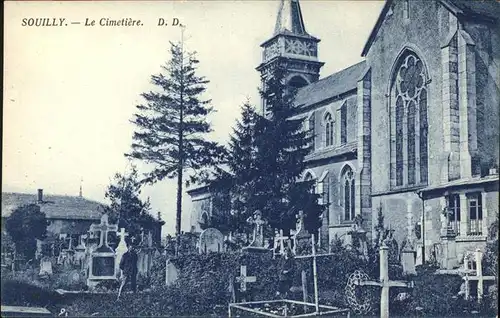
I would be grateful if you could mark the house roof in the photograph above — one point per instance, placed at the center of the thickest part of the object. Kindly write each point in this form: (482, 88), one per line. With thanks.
(489, 9)
(331, 86)
(54, 206)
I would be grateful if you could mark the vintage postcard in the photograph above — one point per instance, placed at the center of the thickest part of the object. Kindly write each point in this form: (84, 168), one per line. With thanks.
(279, 158)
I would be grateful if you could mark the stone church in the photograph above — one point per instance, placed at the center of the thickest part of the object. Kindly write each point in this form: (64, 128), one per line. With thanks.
(411, 130)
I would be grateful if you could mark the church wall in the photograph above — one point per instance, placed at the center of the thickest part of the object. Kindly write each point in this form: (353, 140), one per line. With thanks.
(336, 225)
(422, 33)
(487, 73)
(334, 108)
(200, 204)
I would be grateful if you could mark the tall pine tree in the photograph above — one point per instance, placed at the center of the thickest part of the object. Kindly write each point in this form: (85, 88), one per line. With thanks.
(172, 125)
(233, 192)
(282, 145)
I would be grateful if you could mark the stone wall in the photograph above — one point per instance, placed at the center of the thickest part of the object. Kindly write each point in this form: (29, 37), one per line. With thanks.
(420, 33)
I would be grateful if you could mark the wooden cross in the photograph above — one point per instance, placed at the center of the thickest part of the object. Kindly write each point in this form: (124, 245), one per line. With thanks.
(243, 279)
(315, 271)
(104, 228)
(478, 277)
(384, 281)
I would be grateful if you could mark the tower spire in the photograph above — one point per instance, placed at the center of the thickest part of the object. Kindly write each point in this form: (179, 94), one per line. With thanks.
(289, 19)
(291, 48)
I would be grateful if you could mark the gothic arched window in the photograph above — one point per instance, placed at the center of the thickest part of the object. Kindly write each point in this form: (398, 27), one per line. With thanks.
(329, 129)
(409, 122)
(348, 192)
(310, 177)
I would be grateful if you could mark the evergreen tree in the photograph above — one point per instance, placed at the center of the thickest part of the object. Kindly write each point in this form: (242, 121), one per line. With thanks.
(126, 207)
(25, 225)
(282, 145)
(233, 195)
(172, 125)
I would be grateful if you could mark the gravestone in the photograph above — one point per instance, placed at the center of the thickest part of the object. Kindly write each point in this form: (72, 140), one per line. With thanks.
(45, 267)
(145, 255)
(120, 249)
(102, 260)
(300, 235)
(171, 273)
(257, 243)
(408, 252)
(80, 251)
(357, 237)
(211, 240)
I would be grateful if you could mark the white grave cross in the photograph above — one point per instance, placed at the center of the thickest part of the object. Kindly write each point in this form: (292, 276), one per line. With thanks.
(279, 241)
(384, 281)
(243, 279)
(122, 234)
(104, 228)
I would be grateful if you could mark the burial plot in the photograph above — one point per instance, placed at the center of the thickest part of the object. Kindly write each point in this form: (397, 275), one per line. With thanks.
(102, 260)
(211, 240)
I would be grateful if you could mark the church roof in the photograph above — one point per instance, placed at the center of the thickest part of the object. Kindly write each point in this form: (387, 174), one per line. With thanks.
(485, 8)
(54, 206)
(489, 9)
(331, 86)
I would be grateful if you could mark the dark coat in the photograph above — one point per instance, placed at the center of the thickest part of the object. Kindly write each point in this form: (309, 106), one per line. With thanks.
(128, 263)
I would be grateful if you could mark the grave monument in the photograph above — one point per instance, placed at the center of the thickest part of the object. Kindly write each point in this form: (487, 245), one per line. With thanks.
(102, 259)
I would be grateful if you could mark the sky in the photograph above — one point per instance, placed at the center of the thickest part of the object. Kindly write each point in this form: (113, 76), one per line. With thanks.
(71, 91)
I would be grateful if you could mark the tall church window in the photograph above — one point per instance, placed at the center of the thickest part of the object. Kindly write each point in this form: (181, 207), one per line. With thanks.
(343, 123)
(329, 130)
(312, 129)
(348, 193)
(409, 154)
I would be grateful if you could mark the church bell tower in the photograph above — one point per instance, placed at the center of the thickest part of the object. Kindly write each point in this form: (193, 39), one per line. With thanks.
(291, 47)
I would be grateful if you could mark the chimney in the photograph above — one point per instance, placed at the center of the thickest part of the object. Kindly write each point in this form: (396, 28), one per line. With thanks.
(40, 195)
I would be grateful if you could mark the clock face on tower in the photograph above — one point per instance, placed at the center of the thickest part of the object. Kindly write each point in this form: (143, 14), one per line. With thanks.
(300, 47)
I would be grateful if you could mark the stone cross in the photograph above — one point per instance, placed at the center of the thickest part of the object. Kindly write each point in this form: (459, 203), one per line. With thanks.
(104, 228)
(243, 279)
(478, 277)
(279, 240)
(300, 221)
(258, 232)
(384, 281)
(122, 234)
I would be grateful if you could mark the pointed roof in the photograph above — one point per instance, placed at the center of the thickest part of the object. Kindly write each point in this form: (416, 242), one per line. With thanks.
(485, 10)
(289, 19)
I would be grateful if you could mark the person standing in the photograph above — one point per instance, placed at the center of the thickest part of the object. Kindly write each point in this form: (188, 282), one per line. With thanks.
(286, 274)
(128, 267)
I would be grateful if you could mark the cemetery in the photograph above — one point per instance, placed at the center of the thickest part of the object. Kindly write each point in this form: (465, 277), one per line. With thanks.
(209, 278)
